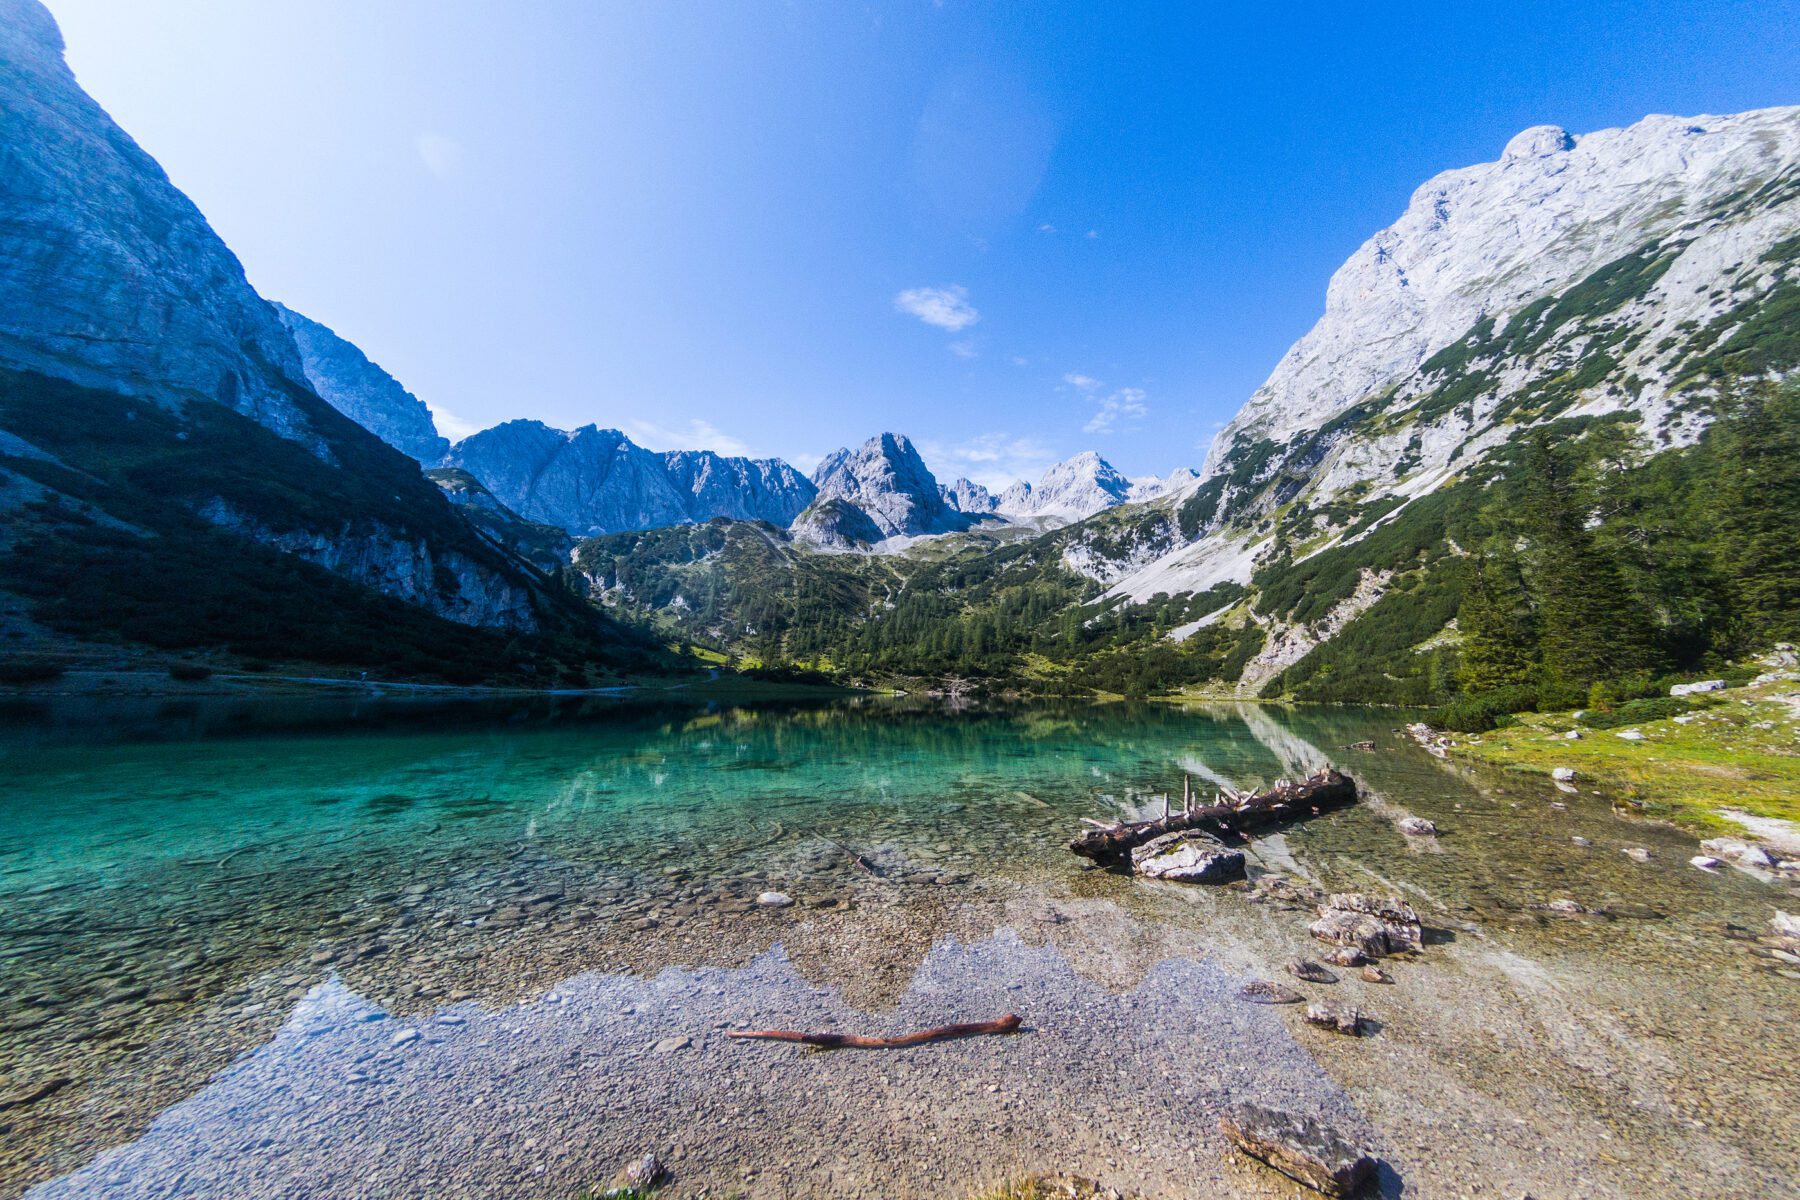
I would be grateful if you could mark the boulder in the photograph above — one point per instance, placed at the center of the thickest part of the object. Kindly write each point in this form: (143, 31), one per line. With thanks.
(1188, 857)
(1705, 862)
(1300, 1147)
(1345, 956)
(775, 900)
(1705, 685)
(1336, 1016)
(1636, 853)
(1632, 735)
(1417, 827)
(1563, 774)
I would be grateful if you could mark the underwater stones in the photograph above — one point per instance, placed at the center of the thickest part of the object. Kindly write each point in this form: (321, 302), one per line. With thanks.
(1417, 827)
(670, 1045)
(1310, 971)
(1376, 926)
(1265, 991)
(1300, 1147)
(1187, 857)
(1335, 1015)
(775, 900)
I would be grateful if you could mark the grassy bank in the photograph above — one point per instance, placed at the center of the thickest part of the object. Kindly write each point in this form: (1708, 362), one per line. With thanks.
(1741, 753)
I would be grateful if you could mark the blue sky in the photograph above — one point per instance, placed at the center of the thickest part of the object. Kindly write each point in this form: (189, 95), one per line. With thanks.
(1012, 231)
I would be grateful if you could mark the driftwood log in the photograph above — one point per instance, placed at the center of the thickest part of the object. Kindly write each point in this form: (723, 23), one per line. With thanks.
(852, 1041)
(1287, 800)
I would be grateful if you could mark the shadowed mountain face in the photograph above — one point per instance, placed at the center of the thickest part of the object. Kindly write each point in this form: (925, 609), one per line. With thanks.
(164, 458)
(593, 481)
(346, 379)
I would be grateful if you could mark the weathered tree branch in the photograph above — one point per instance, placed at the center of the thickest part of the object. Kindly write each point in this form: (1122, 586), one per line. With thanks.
(852, 1041)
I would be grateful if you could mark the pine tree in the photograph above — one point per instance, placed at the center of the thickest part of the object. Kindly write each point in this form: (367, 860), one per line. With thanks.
(1757, 510)
(1590, 626)
(1498, 644)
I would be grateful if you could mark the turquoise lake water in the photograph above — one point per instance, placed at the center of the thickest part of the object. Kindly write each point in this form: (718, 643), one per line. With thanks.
(177, 876)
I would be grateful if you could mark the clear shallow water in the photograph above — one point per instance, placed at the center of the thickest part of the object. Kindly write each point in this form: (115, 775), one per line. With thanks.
(177, 878)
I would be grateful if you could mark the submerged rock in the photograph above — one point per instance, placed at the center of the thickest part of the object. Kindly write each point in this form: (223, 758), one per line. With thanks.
(1264, 991)
(775, 900)
(1335, 1015)
(1311, 971)
(1374, 925)
(1300, 1147)
(1188, 857)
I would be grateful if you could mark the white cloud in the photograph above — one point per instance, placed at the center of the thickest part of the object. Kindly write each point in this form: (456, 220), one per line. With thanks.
(1019, 360)
(1086, 383)
(994, 460)
(1125, 403)
(966, 348)
(1046, 227)
(451, 425)
(1093, 233)
(948, 308)
(442, 156)
(695, 435)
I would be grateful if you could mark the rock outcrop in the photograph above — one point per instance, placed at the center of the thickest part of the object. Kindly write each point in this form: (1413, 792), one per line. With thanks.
(347, 380)
(1072, 489)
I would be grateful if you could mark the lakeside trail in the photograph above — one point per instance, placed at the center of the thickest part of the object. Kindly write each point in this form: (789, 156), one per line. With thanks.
(508, 963)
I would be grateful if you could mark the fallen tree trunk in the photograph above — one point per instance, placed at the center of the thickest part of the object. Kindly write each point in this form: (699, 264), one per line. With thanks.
(852, 1041)
(1287, 800)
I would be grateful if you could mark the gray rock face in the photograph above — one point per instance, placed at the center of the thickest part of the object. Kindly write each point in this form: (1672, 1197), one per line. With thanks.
(836, 525)
(744, 489)
(1075, 488)
(109, 276)
(967, 496)
(596, 481)
(889, 483)
(1374, 925)
(343, 375)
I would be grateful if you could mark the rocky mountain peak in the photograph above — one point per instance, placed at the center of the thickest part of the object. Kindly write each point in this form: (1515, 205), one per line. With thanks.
(1072, 489)
(887, 480)
(1487, 240)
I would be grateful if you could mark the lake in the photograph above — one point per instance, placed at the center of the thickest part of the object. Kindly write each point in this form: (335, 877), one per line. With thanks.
(308, 947)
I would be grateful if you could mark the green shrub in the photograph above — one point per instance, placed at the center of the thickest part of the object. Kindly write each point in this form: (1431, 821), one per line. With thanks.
(1479, 712)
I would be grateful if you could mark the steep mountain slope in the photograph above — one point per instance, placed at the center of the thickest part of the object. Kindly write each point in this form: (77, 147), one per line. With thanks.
(593, 481)
(164, 459)
(1072, 489)
(344, 377)
(886, 481)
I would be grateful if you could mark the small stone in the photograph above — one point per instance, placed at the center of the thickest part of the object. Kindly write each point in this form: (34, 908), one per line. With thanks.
(405, 1037)
(1336, 1016)
(670, 1045)
(1563, 774)
(645, 1173)
(1263, 991)
(775, 900)
(1345, 956)
(1632, 735)
(1636, 853)
(1417, 827)
(1310, 971)
(1568, 908)
(1705, 862)
(1581, 841)
(1374, 974)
